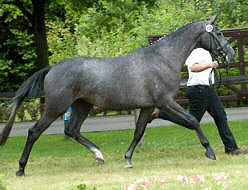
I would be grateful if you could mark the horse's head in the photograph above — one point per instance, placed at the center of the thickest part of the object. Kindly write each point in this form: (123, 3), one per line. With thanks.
(213, 40)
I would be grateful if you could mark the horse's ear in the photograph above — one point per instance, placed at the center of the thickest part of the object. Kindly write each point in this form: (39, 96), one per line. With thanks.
(213, 18)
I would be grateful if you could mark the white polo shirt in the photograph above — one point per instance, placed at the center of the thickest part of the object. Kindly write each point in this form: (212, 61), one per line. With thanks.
(199, 56)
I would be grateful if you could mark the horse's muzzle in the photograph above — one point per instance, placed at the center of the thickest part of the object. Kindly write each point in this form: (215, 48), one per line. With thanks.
(230, 56)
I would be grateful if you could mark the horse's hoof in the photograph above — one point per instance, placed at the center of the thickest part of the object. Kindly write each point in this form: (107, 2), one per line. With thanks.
(100, 161)
(210, 154)
(128, 166)
(20, 173)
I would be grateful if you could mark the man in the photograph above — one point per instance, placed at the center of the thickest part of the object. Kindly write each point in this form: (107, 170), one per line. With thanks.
(202, 97)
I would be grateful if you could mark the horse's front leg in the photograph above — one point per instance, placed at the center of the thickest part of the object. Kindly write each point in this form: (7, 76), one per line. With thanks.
(139, 131)
(191, 123)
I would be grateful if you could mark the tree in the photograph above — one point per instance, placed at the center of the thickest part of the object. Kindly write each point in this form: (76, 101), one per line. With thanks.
(23, 41)
(35, 16)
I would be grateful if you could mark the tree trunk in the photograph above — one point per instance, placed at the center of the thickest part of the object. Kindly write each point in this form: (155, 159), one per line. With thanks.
(39, 30)
(40, 39)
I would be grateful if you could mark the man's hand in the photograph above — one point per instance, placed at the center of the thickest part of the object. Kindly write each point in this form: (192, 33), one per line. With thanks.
(201, 67)
(213, 64)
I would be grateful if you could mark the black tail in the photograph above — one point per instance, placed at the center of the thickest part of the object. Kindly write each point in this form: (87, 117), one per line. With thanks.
(32, 87)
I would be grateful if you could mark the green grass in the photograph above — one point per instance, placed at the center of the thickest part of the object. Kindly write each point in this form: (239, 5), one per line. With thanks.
(56, 163)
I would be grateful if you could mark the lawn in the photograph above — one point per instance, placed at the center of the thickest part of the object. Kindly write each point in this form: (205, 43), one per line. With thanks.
(172, 152)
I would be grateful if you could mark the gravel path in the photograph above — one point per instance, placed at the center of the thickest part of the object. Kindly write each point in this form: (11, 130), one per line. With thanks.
(117, 123)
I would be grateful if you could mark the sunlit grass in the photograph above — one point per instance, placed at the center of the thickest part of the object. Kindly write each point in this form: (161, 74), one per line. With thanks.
(56, 163)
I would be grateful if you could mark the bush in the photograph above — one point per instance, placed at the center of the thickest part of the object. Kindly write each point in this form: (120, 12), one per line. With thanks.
(29, 110)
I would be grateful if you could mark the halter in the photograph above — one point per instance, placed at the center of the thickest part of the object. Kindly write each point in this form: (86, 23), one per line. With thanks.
(220, 56)
(220, 51)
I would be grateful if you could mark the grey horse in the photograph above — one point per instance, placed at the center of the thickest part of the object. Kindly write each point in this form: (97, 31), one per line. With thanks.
(145, 78)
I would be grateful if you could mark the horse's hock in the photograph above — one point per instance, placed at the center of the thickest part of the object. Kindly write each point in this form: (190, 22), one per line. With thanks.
(236, 84)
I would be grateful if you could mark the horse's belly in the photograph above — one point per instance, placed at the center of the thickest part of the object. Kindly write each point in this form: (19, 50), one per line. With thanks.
(120, 102)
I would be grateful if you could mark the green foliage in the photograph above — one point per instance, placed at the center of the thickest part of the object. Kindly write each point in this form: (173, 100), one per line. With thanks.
(121, 31)
(17, 57)
(232, 13)
(83, 187)
(29, 110)
(61, 41)
(4, 111)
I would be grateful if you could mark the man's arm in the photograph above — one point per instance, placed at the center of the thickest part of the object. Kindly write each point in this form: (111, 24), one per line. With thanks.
(201, 67)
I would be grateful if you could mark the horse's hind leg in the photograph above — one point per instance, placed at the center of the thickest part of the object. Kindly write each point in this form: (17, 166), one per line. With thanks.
(191, 123)
(80, 110)
(139, 131)
(33, 135)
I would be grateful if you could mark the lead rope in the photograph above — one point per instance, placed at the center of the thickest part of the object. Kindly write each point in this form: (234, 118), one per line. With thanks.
(212, 72)
(217, 72)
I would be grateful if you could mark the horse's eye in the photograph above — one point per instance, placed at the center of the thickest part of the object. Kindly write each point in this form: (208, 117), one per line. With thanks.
(219, 34)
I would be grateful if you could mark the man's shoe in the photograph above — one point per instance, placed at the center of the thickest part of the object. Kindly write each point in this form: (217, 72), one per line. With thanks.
(154, 115)
(238, 151)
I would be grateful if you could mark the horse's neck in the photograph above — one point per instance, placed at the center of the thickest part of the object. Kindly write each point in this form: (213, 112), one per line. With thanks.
(182, 42)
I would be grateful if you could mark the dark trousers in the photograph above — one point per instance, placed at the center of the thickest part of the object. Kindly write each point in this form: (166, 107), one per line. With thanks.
(67, 125)
(202, 99)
